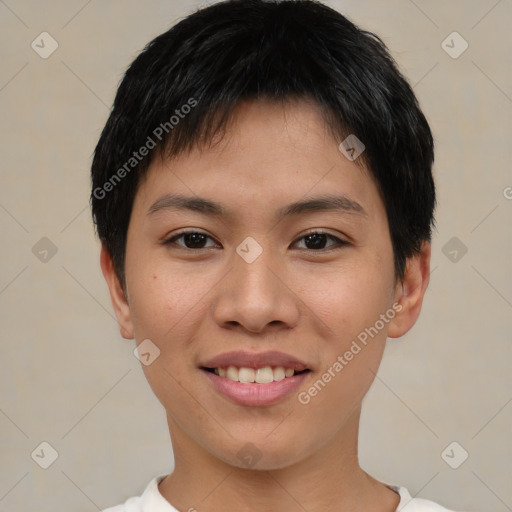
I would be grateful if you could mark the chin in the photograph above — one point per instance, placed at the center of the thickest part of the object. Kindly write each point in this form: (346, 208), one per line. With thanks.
(261, 454)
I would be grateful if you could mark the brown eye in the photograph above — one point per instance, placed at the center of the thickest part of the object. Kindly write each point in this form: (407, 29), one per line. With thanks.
(191, 240)
(316, 241)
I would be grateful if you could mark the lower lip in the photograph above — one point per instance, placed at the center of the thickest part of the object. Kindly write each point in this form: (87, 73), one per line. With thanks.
(254, 394)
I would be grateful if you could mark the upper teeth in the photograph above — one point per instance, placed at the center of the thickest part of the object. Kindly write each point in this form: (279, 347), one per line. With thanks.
(261, 375)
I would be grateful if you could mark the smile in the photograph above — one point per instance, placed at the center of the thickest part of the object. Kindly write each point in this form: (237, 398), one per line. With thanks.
(264, 375)
(254, 394)
(255, 379)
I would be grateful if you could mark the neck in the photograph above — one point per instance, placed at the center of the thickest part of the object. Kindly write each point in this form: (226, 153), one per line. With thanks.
(328, 479)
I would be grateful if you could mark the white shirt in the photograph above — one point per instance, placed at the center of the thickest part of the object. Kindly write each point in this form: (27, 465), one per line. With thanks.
(152, 501)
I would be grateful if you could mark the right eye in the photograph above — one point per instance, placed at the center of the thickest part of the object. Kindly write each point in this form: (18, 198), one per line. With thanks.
(193, 240)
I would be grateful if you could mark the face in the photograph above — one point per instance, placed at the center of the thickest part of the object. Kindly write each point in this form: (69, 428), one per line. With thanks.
(277, 254)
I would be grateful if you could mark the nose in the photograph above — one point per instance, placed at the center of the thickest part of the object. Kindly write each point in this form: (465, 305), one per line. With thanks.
(257, 296)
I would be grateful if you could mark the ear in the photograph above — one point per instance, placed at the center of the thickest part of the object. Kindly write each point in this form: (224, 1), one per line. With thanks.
(410, 291)
(117, 296)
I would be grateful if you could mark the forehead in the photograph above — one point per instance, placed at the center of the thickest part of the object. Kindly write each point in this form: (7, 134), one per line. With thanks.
(271, 155)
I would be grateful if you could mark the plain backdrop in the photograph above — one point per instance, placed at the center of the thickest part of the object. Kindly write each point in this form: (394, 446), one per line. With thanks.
(68, 378)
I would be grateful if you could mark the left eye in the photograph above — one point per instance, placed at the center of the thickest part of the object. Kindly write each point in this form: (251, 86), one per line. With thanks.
(316, 240)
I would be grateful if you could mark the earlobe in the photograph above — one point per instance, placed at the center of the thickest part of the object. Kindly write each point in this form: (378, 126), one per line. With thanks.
(410, 292)
(117, 295)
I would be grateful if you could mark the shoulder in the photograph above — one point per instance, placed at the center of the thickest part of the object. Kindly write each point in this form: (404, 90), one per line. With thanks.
(131, 505)
(151, 499)
(410, 504)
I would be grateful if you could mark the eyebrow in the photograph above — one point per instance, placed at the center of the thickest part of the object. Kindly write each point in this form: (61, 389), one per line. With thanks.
(324, 203)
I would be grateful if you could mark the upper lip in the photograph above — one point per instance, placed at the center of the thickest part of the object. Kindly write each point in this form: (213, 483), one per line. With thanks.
(241, 358)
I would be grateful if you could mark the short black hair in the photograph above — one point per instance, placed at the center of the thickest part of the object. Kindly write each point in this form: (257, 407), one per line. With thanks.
(181, 91)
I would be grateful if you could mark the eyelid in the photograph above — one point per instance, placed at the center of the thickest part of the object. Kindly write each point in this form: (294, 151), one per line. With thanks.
(318, 231)
(340, 242)
(167, 240)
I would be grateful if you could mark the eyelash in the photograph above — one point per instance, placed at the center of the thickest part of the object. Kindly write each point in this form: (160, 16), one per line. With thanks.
(339, 242)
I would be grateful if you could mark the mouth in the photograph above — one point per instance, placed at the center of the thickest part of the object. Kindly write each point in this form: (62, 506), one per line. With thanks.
(247, 375)
(255, 379)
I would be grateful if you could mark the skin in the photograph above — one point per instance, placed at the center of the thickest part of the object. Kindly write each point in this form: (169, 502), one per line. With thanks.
(197, 303)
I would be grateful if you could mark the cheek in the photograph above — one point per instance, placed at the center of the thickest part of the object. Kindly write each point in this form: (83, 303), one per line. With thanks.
(163, 299)
(166, 308)
(348, 300)
(351, 302)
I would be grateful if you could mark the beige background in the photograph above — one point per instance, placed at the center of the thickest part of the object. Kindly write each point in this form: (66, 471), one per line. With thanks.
(68, 378)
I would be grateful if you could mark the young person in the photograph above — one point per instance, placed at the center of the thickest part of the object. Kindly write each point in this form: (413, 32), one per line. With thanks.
(264, 198)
